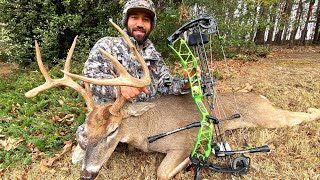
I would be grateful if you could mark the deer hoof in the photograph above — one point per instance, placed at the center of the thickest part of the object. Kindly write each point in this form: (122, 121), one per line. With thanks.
(313, 110)
(315, 113)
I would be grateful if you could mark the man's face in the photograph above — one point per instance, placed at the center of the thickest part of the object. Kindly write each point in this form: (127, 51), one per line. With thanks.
(139, 25)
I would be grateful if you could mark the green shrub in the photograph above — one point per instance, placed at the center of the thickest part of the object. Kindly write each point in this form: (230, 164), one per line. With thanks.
(30, 118)
(54, 24)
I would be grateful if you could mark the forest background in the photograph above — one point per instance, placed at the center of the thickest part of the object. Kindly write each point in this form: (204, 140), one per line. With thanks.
(244, 24)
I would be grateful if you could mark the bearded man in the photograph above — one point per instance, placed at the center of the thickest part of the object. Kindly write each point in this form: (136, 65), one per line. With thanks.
(139, 20)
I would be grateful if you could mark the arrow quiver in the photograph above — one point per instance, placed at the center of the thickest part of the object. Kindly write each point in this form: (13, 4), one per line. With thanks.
(192, 44)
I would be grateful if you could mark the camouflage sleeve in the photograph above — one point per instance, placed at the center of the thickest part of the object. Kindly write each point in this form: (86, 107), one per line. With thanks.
(99, 67)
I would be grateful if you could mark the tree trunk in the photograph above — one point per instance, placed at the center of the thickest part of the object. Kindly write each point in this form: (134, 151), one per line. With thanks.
(278, 35)
(305, 29)
(288, 10)
(296, 23)
(254, 21)
(259, 39)
(284, 22)
(271, 29)
(316, 39)
(272, 21)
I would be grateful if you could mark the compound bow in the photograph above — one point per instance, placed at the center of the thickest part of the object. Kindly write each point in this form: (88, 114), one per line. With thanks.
(196, 32)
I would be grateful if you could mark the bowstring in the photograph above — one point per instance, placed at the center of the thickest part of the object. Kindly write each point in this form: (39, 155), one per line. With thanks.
(232, 84)
(219, 131)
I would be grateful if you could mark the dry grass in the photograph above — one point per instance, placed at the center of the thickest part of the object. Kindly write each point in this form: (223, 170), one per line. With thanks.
(290, 78)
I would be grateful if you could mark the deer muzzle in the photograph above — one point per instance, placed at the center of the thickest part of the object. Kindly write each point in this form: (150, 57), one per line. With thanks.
(86, 175)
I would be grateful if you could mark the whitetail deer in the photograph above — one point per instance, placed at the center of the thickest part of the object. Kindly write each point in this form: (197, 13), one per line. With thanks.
(133, 123)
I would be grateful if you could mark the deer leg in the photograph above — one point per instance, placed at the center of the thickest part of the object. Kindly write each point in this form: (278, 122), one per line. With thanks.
(276, 118)
(172, 164)
(294, 118)
(315, 114)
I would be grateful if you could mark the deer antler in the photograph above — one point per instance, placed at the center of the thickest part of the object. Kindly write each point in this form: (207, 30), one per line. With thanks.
(65, 81)
(124, 79)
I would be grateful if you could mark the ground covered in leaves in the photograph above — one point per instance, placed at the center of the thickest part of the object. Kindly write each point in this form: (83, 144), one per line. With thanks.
(289, 77)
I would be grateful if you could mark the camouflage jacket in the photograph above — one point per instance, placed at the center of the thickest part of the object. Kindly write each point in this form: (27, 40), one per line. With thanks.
(98, 66)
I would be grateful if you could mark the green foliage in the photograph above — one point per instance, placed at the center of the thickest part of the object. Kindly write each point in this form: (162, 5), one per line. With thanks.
(249, 52)
(55, 24)
(31, 118)
(167, 23)
(4, 41)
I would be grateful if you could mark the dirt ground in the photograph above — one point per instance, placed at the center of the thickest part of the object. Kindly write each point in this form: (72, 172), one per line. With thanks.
(6, 68)
(289, 78)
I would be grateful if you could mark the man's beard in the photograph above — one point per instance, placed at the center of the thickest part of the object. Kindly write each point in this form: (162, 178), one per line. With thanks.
(140, 40)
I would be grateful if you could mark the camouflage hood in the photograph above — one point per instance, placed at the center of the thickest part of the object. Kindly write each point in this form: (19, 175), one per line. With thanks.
(146, 5)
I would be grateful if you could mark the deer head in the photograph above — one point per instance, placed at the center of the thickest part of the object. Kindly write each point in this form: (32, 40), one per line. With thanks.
(103, 121)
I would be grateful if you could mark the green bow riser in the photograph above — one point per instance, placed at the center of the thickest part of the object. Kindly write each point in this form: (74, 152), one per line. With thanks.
(202, 147)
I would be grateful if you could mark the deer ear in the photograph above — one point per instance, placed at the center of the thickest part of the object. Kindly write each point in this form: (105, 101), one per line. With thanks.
(136, 109)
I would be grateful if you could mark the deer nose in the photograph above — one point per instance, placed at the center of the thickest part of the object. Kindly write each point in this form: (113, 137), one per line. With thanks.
(86, 175)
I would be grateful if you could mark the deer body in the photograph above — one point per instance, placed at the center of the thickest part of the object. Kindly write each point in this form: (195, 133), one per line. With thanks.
(171, 112)
(168, 113)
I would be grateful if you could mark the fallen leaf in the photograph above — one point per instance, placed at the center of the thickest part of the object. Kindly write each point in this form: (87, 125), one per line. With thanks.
(10, 143)
(30, 146)
(45, 164)
(247, 88)
(60, 102)
(24, 176)
(63, 118)
(19, 140)
(13, 109)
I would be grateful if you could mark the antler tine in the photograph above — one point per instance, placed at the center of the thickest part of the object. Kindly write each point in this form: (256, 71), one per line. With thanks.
(40, 64)
(120, 99)
(125, 79)
(70, 53)
(65, 81)
(87, 88)
(44, 72)
(134, 50)
(118, 103)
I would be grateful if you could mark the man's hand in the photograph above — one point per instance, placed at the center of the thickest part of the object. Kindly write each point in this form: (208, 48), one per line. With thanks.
(185, 74)
(131, 92)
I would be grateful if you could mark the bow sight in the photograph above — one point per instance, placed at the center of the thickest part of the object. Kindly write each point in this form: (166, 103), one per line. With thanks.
(196, 35)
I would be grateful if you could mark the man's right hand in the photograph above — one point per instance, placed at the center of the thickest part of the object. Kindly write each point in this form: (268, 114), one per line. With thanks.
(131, 92)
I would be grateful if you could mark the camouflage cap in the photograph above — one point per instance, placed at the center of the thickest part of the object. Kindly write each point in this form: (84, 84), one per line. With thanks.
(144, 5)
